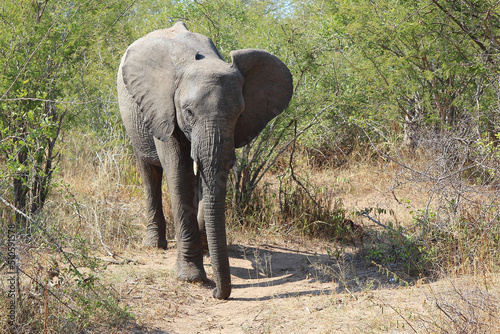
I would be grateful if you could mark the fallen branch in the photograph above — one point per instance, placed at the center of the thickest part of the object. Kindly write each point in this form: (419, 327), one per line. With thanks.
(120, 263)
(365, 214)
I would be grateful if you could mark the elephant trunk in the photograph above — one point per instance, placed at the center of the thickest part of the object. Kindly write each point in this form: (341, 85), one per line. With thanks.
(217, 243)
(214, 157)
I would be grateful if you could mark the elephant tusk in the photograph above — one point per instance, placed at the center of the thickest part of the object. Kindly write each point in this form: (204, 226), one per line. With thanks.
(195, 168)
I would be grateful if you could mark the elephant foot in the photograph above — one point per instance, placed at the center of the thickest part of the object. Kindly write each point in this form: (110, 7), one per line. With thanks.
(153, 240)
(190, 271)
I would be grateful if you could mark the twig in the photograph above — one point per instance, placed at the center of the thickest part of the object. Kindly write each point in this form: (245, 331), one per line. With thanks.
(46, 307)
(365, 214)
(120, 263)
(313, 122)
(77, 206)
(123, 13)
(50, 101)
(49, 291)
(51, 238)
(424, 220)
(293, 173)
(399, 313)
(44, 230)
(255, 318)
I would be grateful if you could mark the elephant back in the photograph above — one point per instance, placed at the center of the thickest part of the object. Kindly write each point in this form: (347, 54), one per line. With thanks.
(202, 44)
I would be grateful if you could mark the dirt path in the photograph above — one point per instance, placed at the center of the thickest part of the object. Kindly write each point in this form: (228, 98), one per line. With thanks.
(277, 288)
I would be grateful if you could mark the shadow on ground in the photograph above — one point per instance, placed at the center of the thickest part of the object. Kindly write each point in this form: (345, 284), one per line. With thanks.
(273, 266)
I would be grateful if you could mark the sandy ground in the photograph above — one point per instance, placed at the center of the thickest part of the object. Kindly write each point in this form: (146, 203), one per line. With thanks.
(308, 286)
(285, 287)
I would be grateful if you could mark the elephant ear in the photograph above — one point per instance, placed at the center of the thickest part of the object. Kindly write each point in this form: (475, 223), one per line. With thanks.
(267, 91)
(149, 73)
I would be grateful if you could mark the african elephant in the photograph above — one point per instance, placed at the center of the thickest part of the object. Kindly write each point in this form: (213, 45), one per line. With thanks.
(186, 110)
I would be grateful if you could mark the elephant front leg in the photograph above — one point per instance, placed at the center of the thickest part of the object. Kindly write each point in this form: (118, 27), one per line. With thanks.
(156, 225)
(189, 264)
(181, 182)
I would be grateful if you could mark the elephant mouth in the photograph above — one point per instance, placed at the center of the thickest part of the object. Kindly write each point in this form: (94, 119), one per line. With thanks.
(196, 166)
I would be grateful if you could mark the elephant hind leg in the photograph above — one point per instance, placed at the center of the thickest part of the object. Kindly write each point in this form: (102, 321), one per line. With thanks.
(156, 223)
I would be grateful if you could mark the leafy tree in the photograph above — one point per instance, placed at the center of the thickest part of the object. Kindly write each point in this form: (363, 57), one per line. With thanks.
(394, 64)
(427, 62)
(44, 48)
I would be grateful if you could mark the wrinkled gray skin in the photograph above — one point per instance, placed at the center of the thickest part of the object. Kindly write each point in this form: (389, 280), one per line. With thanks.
(182, 103)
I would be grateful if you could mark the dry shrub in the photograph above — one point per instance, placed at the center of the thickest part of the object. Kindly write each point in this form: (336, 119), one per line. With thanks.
(326, 155)
(331, 143)
(470, 306)
(458, 175)
(100, 195)
(92, 211)
(314, 210)
(59, 287)
(295, 207)
(449, 186)
(469, 244)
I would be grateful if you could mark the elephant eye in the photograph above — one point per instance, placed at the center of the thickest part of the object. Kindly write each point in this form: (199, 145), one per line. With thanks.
(189, 112)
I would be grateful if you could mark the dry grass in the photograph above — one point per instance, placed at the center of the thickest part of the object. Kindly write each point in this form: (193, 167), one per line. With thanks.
(101, 196)
(99, 203)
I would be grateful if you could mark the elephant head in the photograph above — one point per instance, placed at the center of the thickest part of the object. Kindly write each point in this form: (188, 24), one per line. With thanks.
(179, 80)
